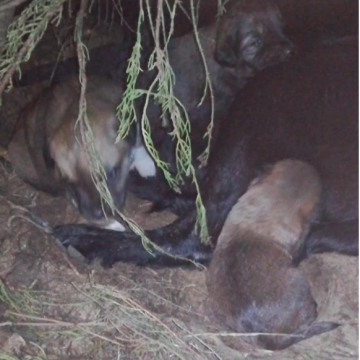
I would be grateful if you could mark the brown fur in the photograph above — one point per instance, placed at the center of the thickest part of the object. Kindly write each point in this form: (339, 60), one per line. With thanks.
(253, 286)
(44, 149)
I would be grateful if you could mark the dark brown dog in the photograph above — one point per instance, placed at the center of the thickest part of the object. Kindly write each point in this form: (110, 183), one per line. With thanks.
(253, 286)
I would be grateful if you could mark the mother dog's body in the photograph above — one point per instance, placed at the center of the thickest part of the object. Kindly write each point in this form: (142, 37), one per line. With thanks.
(306, 109)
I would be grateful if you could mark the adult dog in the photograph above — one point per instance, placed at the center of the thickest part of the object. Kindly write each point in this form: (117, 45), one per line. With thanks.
(306, 109)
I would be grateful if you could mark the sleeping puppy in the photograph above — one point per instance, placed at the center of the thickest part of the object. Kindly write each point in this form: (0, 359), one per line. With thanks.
(251, 33)
(253, 286)
(46, 149)
(247, 39)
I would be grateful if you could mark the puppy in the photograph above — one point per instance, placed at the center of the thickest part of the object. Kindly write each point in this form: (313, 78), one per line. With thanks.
(46, 149)
(248, 38)
(251, 34)
(253, 286)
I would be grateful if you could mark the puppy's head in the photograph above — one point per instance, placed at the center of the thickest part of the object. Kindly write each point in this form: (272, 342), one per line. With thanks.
(73, 168)
(250, 34)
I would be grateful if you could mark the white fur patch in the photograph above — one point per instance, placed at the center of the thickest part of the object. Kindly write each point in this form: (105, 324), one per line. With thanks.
(143, 163)
(114, 225)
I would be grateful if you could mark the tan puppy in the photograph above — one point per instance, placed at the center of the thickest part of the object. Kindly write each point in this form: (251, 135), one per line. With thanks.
(46, 149)
(253, 286)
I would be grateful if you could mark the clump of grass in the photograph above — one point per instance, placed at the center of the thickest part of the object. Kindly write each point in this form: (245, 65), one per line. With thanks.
(161, 92)
(24, 34)
(96, 167)
(118, 320)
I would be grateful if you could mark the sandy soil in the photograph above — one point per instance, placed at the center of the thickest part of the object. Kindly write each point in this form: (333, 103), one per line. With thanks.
(29, 259)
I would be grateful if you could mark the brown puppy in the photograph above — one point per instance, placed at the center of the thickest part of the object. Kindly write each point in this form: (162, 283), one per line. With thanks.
(253, 286)
(46, 150)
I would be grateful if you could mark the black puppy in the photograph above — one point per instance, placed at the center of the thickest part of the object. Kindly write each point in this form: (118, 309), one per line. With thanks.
(303, 109)
(247, 39)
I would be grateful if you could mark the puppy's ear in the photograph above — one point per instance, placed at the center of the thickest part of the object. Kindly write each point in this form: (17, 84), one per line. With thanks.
(227, 47)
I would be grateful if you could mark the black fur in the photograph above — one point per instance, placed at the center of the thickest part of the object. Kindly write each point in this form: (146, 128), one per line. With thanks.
(247, 17)
(306, 110)
(260, 23)
(325, 238)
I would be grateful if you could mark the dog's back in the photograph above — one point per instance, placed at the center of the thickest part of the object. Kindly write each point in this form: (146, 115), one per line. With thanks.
(253, 286)
(46, 149)
(278, 205)
(28, 149)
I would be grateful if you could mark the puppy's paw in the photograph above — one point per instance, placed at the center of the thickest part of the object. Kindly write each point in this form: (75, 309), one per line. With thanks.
(83, 243)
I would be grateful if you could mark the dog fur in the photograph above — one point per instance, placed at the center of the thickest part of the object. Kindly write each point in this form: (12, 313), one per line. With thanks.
(315, 121)
(252, 283)
(46, 150)
(252, 32)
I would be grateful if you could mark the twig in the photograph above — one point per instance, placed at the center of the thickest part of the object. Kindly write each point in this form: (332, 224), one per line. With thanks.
(29, 216)
(82, 74)
(48, 321)
(199, 340)
(203, 158)
(244, 334)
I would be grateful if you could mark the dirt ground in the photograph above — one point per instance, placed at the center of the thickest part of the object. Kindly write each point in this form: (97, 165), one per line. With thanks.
(53, 307)
(59, 294)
